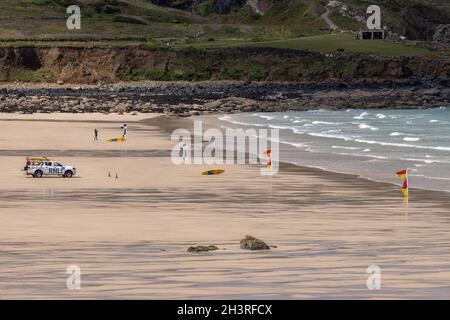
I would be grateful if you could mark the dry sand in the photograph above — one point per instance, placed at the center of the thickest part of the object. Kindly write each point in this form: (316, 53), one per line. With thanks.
(129, 235)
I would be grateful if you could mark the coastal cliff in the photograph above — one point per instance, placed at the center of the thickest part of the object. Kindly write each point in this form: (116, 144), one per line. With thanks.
(93, 65)
(192, 81)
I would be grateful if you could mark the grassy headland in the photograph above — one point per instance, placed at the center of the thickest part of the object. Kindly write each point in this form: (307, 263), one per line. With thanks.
(290, 42)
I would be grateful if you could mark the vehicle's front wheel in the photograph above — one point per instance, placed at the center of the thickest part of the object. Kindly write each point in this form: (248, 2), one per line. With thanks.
(68, 174)
(37, 174)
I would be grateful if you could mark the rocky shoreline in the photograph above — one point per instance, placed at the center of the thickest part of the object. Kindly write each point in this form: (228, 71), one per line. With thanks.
(187, 99)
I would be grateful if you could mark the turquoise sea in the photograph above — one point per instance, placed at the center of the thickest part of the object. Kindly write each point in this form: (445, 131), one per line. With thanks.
(373, 144)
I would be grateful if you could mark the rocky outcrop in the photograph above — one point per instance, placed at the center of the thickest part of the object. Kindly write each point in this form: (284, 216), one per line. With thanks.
(187, 99)
(202, 249)
(442, 35)
(259, 6)
(234, 103)
(346, 11)
(252, 243)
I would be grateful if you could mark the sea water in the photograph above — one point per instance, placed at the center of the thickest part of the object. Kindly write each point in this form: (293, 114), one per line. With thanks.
(373, 144)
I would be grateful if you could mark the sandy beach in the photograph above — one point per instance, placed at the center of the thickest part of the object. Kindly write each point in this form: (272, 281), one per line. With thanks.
(129, 235)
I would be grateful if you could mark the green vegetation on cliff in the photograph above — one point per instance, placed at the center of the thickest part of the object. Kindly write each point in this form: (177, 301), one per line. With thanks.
(45, 19)
(106, 64)
(200, 40)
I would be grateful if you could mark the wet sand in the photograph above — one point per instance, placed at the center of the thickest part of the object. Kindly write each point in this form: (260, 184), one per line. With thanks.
(129, 235)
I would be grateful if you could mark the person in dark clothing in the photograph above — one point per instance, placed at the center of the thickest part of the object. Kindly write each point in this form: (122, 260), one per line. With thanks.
(95, 134)
(124, 127)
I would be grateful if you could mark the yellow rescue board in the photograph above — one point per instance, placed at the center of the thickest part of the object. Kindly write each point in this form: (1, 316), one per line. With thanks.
(117, 140)
(213, 172)
(43, 158)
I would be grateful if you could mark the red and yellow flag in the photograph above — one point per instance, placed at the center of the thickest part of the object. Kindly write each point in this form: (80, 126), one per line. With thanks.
(268, 154)
(403, 174)
(405, 188)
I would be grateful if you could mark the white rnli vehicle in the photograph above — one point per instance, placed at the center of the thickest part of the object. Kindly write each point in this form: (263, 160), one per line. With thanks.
(49, 168)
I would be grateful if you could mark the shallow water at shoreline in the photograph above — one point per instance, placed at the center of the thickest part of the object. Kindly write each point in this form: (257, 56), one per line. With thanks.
(373, 144)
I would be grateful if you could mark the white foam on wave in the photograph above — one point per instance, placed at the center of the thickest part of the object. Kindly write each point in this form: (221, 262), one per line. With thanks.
(333, 131)
(326, 135)
(361, 116)
(366, 126)
(411, 139)
(373, 156)
(325, 122)
(401, 145)
(294, 129)
(345, 148)
(396, 134)
(295, 144)
(380, 116)
(433, 121)
(376, 157)
(441, 148)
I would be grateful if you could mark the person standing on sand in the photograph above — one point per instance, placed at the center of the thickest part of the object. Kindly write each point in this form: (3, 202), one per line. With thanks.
(184, 150)
(124, 127)
(95, 134)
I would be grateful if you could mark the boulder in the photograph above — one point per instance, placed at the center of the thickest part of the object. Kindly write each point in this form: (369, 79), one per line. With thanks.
(252, 243)
(442, 34)
(202, 249)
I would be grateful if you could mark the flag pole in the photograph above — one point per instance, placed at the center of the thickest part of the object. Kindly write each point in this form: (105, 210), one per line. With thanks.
(407, 179)
(407, 187)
